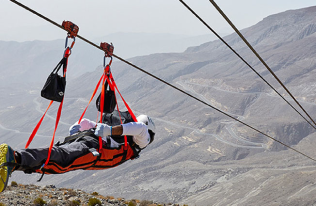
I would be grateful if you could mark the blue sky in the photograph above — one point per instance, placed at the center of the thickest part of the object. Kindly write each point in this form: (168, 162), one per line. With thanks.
(97, 18)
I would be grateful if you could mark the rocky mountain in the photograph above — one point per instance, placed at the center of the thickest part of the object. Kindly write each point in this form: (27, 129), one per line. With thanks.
(200, 157)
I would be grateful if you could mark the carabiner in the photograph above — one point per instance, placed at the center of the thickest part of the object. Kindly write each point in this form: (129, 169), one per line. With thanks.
(107, 68)
(72, 44)
(104, 60)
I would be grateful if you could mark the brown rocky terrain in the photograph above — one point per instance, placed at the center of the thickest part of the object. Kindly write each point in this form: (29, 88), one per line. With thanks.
(19, 194)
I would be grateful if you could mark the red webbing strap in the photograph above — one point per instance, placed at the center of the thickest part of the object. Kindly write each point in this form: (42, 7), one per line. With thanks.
(56, 124)
(101, 109)
(126, 105)
(100, 144)
(113, 89)
(37, 126)
(102, 97)
(106, 70)
(94, 92)
(105, 78)
(117, 107)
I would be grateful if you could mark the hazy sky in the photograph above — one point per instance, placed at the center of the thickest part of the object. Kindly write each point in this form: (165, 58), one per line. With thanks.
(97, 18)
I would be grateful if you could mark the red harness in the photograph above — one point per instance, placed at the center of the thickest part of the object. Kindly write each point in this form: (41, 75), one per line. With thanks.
(109, 157)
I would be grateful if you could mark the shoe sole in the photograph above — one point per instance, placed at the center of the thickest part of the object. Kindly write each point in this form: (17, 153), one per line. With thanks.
(3, 170)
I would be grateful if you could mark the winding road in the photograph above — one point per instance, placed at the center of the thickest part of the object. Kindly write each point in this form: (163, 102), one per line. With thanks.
(234, 139)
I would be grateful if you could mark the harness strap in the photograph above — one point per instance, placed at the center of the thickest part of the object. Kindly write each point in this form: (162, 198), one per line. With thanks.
(40, 179)
(106, 72)
(94, 92)
(126, 105)
(37, 126)
(56, 125)
(102, 107)
(102, 96)
(112, 84)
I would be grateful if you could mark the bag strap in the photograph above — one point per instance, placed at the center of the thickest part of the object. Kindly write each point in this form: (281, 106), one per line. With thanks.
(63, 61)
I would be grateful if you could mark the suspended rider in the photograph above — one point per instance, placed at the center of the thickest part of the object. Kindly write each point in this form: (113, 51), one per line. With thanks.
(83, 148)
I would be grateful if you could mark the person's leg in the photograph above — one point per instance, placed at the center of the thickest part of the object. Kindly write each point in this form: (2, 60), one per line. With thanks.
(62, 155)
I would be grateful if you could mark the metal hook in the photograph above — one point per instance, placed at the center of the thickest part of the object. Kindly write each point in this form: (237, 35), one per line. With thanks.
(104, 60)
(72, 44)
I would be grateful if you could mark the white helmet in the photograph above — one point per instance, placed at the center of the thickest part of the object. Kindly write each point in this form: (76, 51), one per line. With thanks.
(150, 124)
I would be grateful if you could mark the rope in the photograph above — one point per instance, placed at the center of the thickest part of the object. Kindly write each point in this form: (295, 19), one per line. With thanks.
(176, 88)
(253, 68)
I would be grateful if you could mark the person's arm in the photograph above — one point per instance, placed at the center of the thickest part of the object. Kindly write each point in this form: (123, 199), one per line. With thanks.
(132, 128)
(117, 130)
(138, 130)
(104, 130)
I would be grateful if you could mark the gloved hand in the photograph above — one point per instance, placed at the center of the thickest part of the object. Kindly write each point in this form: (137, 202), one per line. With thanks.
(86, 124)
(74, 129)
(103, 130)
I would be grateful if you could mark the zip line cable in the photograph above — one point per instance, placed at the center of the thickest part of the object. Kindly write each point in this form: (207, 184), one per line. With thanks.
(259, 57)
(163, 81)
(252, 68)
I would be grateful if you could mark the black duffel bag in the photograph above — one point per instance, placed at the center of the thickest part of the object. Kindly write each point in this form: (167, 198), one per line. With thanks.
(109, 100)
(55, 85)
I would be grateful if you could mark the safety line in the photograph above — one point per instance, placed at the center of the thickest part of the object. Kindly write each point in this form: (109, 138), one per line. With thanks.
(259, 57)
(252, 67)
(180, 90)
